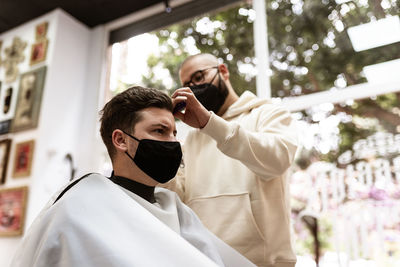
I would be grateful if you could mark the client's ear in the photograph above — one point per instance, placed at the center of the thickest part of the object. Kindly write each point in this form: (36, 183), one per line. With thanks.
(119, 140)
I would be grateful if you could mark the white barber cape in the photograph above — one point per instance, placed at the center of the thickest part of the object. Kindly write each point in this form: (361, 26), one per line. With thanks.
(99, 223)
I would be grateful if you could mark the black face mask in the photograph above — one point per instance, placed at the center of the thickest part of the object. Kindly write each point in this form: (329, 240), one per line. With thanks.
(210, 96)
(158, 159)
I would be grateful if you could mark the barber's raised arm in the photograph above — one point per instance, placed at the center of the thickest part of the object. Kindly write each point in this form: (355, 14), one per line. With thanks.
(268, 151)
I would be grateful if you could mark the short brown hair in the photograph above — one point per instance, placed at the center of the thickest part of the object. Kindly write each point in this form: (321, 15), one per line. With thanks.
(123, 111)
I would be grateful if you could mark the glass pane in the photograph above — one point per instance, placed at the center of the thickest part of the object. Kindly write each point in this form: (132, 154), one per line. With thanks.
(310, 49)
(153, 59)
(345, 184)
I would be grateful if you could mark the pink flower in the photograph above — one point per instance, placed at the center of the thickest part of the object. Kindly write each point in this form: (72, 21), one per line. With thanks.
(377, 194)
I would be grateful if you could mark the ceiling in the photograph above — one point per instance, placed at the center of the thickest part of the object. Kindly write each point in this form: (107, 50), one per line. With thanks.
(90, 12)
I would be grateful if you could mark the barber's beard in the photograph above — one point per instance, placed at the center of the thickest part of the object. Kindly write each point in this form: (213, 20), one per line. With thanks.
(223, 89)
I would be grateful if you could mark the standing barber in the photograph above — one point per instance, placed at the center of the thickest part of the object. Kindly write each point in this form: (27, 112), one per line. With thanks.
(236, 162)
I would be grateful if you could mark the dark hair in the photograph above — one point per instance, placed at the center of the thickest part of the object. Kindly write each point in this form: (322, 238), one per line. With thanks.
(123, 111)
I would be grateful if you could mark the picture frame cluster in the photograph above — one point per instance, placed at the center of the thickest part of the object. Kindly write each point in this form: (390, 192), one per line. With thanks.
(22, 81)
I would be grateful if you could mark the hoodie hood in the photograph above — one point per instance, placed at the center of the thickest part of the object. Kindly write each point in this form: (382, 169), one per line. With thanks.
(246, 102)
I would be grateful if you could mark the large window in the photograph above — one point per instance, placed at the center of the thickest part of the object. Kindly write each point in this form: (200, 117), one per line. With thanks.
(345, 182)
(319, 45)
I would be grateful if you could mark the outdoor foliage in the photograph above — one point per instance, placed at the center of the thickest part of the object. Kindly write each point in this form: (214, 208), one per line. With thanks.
(308, 43)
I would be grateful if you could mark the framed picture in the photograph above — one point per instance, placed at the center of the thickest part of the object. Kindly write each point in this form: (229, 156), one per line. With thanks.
(0, 88)
(13, 56)
(29, 99)
(1, 44)
(12, 210)
(5, 126)
(4, 155)
(23, 158)
(41, 31)
(7, 100)
(38, 52)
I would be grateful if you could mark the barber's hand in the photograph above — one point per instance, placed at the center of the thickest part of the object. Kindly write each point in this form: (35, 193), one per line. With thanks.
(195, 115)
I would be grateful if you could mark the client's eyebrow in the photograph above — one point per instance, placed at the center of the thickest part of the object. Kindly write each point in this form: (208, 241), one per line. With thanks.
(160, 125)
(164, 126)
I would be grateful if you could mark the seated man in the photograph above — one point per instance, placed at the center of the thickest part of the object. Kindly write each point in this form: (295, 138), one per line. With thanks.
(124, 220)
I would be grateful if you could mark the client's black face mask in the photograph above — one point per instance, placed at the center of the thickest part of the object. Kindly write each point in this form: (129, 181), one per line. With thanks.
(210, 96)
(158, 159)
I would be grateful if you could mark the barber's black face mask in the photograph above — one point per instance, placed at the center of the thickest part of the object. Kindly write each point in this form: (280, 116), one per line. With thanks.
(158, 159)
(210, 96)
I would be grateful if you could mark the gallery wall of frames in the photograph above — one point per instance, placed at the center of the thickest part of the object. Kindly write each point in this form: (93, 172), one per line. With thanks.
(22, 79)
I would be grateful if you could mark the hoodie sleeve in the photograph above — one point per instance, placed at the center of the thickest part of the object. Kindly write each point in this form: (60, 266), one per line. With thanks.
(268, 151)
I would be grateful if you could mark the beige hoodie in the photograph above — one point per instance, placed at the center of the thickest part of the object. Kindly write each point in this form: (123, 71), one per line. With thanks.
(235, 179)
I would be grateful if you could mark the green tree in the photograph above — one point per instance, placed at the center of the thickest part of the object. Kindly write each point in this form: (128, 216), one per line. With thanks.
(229, 37)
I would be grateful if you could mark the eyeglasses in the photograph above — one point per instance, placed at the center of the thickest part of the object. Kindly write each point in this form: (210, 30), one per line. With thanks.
(198, 77)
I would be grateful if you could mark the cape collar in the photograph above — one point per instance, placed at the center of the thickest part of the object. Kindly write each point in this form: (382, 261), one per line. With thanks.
(142, 190)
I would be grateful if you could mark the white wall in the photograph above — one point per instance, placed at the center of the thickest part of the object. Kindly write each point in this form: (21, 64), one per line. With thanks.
(68, 115)
(90, 144)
